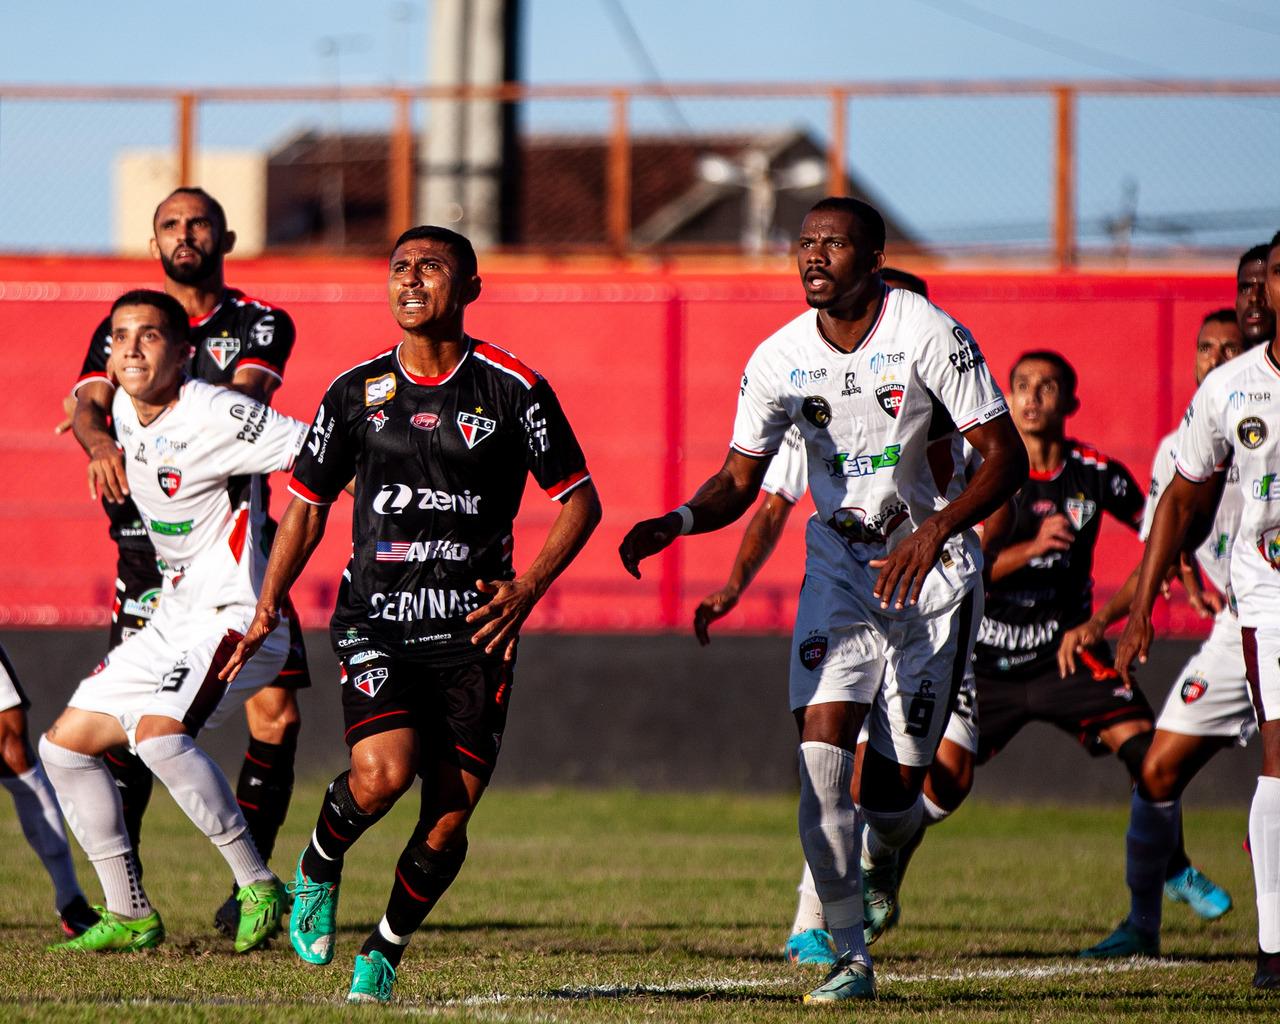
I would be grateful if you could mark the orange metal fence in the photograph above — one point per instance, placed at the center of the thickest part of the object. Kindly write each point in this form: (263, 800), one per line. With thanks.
(1040, 171)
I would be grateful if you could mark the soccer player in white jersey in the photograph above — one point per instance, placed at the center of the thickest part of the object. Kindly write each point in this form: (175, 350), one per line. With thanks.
(948, 781)
(1234, 418)
(1207, 710)
(889, 608)
(194, 455)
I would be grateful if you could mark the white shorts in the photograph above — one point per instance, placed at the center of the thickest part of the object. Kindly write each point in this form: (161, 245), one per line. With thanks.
(1211, 696)
(1262, 669)
(962, 723)
(170, 668)
(11, 695)
(907, 665)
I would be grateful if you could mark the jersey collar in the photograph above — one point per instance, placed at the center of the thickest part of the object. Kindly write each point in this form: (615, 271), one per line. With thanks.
(866, 338)
(433, 382)
(200, 321)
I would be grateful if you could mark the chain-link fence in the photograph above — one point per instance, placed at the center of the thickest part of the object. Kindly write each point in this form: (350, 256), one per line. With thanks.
(1033, 173)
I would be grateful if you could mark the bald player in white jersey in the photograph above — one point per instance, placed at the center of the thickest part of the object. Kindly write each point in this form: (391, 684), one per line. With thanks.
(891, 600)
(194, 455)
(1234, 419)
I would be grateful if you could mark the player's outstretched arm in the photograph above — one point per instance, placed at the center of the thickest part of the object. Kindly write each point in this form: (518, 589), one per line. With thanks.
(1003, 471)
(758, 542)
(1181, 506)
(89, 423)
(717, 503)
(301, 528)
(513, 600)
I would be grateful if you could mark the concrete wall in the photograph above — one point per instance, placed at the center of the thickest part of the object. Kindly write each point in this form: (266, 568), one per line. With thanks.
(652, 711)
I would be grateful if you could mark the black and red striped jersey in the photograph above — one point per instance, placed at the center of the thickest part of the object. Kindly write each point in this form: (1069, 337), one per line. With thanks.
(1028, 610)
(440, 466)
(239, 331)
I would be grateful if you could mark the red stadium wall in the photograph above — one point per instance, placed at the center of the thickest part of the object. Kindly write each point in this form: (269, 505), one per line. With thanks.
(647, 364)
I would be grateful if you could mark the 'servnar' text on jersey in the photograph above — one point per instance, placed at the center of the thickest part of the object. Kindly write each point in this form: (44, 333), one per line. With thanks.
(1235, 415)
(1028, 610)
(440, 466)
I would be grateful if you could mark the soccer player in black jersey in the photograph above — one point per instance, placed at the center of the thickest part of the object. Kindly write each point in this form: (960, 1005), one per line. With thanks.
(440, 434)
(242, 343)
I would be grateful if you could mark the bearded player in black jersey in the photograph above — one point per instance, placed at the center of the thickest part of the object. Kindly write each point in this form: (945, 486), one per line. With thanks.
(242, 343)
(440, 434)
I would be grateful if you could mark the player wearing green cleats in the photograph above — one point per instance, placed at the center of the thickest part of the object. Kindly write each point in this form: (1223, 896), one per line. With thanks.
(314, 918)
(1125, 941)
(879, 897)
(849, 979)
(261, 906)
(372, 979)
(116, 934)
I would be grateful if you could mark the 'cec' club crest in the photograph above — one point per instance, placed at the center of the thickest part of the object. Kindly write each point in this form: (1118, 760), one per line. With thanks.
(170, 479)
(1251, 431)
(1193, 688)
(475, 428)
(1080, 511)
(890, 397)
(812, 650)
(223, 350)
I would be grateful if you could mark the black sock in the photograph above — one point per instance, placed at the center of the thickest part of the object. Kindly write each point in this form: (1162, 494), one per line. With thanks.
(264, 789)
(422, 876)
(1178, 860)
(134, 781)
(340, 824)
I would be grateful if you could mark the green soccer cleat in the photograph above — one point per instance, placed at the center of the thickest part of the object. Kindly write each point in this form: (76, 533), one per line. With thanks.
(372, 979)
(1125, 941)
(880, 910)
(849, 979)
(1203, 895)
(261, 904)
(114, 934)
(812, 946)
(314, 918)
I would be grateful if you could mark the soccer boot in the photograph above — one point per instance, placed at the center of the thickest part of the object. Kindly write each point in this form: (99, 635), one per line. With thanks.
(1268, 973)
(811, 946)
(226, 918)
(314, 918)
(1126, 940)
(849, 979)
(76, 918)
(1203, 895)
(879, 898)
(261, 904)
(114, 934)
(372, 979)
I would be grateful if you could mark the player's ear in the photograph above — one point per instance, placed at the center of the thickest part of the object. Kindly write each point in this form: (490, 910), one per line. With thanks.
(471, 290)
(1070, 405)
(228, 241)
(153, 247)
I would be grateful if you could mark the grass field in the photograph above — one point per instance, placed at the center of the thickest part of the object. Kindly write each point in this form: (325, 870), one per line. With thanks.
(589, 906)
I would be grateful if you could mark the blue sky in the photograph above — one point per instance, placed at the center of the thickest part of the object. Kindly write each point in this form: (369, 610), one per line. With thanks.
(1174, 155)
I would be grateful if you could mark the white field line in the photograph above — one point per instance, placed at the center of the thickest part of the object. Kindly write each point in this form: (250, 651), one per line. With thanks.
(727, 985)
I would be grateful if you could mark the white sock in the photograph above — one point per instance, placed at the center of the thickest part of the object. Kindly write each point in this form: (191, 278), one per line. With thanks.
(809, 913)
(1149, 842)
(89, 799)
(933, 814)
(41, 822)
(198, 786)
(888, 831)
(829, 827)
(1264, 842)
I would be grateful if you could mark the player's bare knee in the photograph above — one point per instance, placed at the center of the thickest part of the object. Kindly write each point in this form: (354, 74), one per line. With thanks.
(273, 716)
(1159, 778)
(377, 783)
(947, 785)
(152, 727)
(15, 751)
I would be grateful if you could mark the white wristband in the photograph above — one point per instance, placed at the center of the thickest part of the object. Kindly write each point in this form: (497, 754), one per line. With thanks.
(686, 519)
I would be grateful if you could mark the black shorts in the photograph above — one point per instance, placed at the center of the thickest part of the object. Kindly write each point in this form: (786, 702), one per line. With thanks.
(138, 583)
(1083, 704)
(459, 711)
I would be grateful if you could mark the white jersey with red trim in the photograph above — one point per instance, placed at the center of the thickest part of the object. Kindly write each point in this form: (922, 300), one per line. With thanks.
(867, 418)
(194, 474)
(1235, 417)
(1214, 553)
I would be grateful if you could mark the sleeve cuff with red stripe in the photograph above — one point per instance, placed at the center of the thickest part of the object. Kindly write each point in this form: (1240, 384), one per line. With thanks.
(91, 377)
(559, 490)
(259, 364)
(300, 490)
